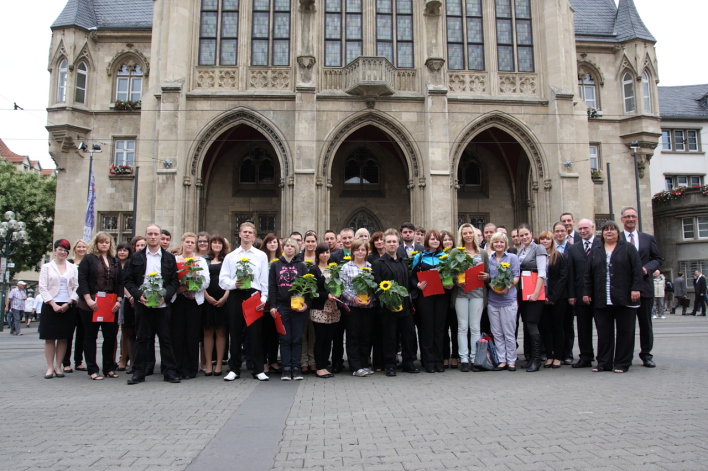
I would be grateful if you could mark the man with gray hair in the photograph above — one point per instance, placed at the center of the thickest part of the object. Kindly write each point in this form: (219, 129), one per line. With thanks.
(15, 306)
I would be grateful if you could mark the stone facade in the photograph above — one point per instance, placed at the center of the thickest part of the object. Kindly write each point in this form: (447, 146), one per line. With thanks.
(522, 136)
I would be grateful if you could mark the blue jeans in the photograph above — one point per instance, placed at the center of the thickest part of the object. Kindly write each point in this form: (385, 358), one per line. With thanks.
(291, 342)
(469, 315)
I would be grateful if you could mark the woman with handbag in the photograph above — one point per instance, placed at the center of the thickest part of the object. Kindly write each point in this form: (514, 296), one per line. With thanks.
(324, 313)
(99, 276)
(556, 301)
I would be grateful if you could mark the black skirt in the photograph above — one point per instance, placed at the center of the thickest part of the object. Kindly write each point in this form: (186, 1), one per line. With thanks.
(214, 317)
(128, 315)
(56, 325)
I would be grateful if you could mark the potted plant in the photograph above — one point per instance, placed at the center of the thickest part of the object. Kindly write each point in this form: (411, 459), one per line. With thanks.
(459, 262)
(189, 275)
(121, 170)
(152, 289)
(595, 174)
(244, 273)
(364, 284)
(333, 281)
(302, 286)
(503, 278)
(391, 295)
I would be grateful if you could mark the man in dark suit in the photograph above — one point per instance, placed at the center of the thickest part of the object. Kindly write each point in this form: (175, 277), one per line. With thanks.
(699, 284)
(573, 236)
(347, 236)
(577, 255)
(651, 261)
(152, 319)
(408, 245)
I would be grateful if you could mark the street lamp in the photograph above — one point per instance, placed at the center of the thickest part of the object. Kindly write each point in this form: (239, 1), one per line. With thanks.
(12, 235)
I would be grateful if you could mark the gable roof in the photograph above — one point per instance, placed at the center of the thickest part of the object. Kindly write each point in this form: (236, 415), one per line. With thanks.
(684, 102)
(603, 21)
(106, 14)
(10, 156)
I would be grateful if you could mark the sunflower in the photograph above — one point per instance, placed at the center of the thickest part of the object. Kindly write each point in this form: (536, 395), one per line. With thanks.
(346, 258)
(274, 260)
(189, 259)
(505, 264)
(152, 274)
(333, 264)
(244, 259)
(460, 248)
(385, 285)
(446, 249)
(366, 268)
(415, 252)
(443, 257)
(308, 275)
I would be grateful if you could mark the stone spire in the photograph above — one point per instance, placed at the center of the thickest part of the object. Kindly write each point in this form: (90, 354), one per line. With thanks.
(629, 25)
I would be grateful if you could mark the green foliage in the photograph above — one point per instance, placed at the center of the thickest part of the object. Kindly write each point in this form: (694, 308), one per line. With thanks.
(364, 282)
(32, 198)
(305, 285)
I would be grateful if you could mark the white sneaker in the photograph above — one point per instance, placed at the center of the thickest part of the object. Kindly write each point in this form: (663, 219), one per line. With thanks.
(654, 317)
(231, 376)
(285, 377)
(360, 372)
(369, 371)
(262, 377)
(297, 376)
(662, 317)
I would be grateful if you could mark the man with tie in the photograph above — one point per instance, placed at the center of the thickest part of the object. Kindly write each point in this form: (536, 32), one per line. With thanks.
(560, 238)
(651, 261)
(577, 255)
(409, 245)
(567, 220)
(699, 285)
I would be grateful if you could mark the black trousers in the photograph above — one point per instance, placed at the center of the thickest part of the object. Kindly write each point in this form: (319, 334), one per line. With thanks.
(377, 355)
(359, 334)
(392, 325)
(553, 329)
(110, 334)
(646, 330)
(568, 332)
(433, 314)
(615, 352)
(699, 303)
(323, 343)
(271, 341)
(148, 321)
(237, 324)
(185, 327)
(338, 340)
(451, 335)
(78, 333)
(584, 315)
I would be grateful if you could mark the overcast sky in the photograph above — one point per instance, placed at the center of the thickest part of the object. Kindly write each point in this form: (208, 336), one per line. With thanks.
(678, 26)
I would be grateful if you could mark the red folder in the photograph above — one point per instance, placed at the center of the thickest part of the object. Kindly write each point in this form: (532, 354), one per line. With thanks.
(279, 327)
(528, 286)
(472, 280)
(249, 308)
(435, 285)
(105, 302)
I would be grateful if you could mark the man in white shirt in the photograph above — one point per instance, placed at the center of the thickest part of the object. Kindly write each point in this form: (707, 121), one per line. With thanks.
(29, 306)
(567, 220)
(259, 287)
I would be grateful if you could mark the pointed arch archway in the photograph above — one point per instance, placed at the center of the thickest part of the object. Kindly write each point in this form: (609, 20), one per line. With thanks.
(508, 152)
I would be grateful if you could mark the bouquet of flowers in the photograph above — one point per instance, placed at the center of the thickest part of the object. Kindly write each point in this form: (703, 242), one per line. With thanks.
(244, 272)
(446, 271)
(364, 284)
(152, 289)
(459, 262)
(503, 278)
(333, 282)
(409, 261)
(190, 275)
(391, 294)
(302, 286)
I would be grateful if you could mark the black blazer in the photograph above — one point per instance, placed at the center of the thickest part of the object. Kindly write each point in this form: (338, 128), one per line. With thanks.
(88, 270)
(337, 256)
(134, 273)
(625, 275)
(386, 268)
(651, 260)
(401, 251)
(576, 237)
(319, 302)
(577, 261)
(700, 286)
(557, 275)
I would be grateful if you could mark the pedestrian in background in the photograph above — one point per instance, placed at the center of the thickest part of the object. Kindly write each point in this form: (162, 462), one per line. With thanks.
(680, 294)
(659, 293)
(15, 306)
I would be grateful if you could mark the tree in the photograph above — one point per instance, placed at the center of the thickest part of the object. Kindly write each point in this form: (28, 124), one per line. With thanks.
(32, 198)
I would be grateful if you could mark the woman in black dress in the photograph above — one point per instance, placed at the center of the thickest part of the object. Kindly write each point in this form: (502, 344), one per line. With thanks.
(556, 301)
(216, 317)
(127, 337)
(271, 341)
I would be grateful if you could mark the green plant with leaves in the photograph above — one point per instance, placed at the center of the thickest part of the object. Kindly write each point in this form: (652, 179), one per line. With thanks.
(191, 276)
(152, 289)
(503, 278)
(364, 282)
(391, 295)
(333, 280)
(244, 272)
(305, 285)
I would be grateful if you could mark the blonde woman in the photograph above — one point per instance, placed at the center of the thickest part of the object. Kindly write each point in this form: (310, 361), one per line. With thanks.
(80, 247)
(99, 274)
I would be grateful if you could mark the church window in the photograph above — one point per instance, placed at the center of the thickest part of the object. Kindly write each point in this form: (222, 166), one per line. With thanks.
(271, 32)
(118, 224)
(646, 89)
(514, 36)
(587, 90)
(343, 31)
(61, 85)
(257, 170)
(628, 93)
(124, 152)
(361, 168)
(218, 29)
(129, 83)
(465, 35)
(81, 83)
(394, 31)
(469, 173)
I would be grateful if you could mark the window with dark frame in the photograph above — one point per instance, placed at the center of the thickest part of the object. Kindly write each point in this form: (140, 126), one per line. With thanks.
(680, 140)
(514, 36)
(465, 35)
(394, 31)
(118, 224)
(270, 34)
(343, 32)
(219, 30)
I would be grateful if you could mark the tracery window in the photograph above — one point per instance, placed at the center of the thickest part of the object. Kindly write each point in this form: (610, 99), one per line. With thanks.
(361, 168)
(468, 172)
(587, 90)
(343, 31)
(129, 83)
(81, 83)
(61, 84)
(630, 105)
(218, 27)
(465, 35)
(270, 43)
(394, 31)
(514, 36)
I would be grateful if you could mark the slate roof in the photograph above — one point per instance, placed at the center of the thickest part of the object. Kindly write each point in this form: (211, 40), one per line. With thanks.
(106, 14)
(684, 102)
(602, 21)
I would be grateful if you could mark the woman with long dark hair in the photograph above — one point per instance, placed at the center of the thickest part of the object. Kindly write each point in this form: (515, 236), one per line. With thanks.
(556, 301)
(307, 362)
(450, 356)
(324, 312)
(215, 319)
(534, 259)
(127, 337)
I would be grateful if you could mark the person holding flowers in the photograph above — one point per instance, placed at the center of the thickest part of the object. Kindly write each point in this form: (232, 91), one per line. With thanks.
(324, 312)
(450, 356)
(244, 273)
(391, 267)
(308, 256)
(504, 275)
(432, 308)
(359, 285)
(150, 276)
(186, 321)
(286, 273)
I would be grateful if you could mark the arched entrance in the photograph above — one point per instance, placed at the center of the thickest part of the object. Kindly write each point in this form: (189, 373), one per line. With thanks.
(369, 182)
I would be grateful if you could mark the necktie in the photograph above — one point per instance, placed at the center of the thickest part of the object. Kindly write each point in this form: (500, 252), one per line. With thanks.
(631, 238)
(570, 238)
(587, 247)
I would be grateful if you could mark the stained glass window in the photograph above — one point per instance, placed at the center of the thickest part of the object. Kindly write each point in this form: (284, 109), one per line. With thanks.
(514, 36)
(271, 31)
(464, 27)
(218, 26)
(343, 32)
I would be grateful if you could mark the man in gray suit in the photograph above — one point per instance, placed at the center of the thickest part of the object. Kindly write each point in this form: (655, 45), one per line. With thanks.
(679, 293)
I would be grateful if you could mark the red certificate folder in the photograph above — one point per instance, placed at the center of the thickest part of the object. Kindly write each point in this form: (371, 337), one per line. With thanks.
(472, 280)
(279, 327)
(249, 308)
(105, 302)
(528, 286)
(435, 285)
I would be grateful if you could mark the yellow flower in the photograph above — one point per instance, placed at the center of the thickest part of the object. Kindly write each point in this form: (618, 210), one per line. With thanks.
(346, 258)
(333, 264)
(282, 254)
(366, 268)
(446, 249)
(415, 252)
(443, 257)
(308, 275)
(189, 259)
(274, 260)
(385, 285)
(152, 274)
(505, 264)
(460, 248)
(308, 261)
(244, 259)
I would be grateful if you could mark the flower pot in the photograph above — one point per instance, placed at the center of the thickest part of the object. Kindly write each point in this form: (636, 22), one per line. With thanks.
(398, 309)
(245, 283)
(461, 278)
(296, 302)
(363, 297)
(447, 281)
(335, 291)
(497, 289)
(153, 301)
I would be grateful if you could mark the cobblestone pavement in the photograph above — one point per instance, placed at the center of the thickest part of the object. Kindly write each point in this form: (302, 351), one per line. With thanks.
(561, 419)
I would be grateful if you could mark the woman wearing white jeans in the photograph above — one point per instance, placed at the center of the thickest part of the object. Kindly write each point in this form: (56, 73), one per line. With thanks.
(469, 306)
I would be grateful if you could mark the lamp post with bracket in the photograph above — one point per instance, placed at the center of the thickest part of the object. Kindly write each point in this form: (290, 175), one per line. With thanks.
(12, 235)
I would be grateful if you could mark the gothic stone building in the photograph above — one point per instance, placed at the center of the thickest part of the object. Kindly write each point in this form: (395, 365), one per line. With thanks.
(330, 113)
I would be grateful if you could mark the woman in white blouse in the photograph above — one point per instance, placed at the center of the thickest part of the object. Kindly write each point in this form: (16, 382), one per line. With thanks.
(58, 281)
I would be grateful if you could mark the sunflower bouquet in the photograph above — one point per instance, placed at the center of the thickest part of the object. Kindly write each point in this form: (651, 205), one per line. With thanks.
(447, 273)
(152, 289)
(309, 263)
(333, 281)
(190, 275)
(302, 286)
(503, 278)
(244, 273)
(364, 284)
(391, 295)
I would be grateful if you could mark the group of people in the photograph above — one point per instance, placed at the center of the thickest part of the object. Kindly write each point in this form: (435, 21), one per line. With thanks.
(554, 278)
